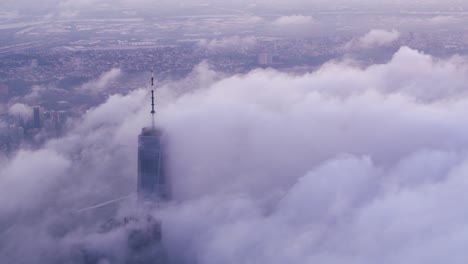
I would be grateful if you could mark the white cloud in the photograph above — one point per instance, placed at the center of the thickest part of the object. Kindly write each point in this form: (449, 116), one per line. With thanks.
(442, 20)
(271, 168)
(269, 147)
(101, 84)
(21, 111)
(374, 38)
(8, 14)
(293, 20)
(26, 181)
(235, 43)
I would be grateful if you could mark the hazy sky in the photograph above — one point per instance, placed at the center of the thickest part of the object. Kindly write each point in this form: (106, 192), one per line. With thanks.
(243, 4)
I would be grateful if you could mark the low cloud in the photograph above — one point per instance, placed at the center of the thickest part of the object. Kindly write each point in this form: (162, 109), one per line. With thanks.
(266, 167)
(373, 39)
(293, 20)
(101, 84)
(37, 94)
(20, 111)
(442, 20)
(235, 43)
(9, 14)
(25, 185)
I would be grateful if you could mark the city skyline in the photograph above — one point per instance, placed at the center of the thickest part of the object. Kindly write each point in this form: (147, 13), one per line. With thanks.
(205, 132)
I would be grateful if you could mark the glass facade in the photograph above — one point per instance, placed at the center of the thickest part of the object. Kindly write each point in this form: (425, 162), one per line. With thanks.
(152, 182)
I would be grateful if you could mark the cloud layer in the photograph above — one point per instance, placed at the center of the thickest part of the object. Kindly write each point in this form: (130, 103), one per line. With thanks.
(234, 43)
(293, 20)
(341, 165)
(330, 167)
(373, 39)
(101, 84)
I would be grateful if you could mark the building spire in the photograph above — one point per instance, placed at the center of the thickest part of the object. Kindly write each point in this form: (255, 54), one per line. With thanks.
(152, 102)
(152, 98)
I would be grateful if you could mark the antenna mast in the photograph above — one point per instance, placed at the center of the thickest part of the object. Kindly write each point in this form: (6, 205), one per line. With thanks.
(152, 98)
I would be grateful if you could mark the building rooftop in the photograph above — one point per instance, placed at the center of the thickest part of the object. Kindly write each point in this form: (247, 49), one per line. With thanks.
(150, 131)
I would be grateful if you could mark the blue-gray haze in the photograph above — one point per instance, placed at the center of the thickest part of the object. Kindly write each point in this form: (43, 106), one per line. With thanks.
(345, 164)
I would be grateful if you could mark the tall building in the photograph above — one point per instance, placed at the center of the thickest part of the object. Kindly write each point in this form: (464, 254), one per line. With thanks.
(152, 179)
(265, 59)
(38, 114)
(153, 183)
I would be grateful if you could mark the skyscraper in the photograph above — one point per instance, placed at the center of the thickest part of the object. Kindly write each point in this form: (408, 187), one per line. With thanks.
(265, 59)
(38, 112)
(152, 179)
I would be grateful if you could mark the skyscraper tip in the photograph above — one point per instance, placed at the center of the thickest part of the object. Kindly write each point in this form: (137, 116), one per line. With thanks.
(152, 103)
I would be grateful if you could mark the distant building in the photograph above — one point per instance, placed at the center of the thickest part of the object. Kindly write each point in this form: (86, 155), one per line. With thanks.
(61, 119)
(152, 179)
(4, 90)
(38, 117)
(16, 135)
(11, 138)
(137, 240)
(265, 59)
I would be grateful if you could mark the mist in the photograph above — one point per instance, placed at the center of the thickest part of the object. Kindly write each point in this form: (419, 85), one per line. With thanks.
(345, 164)
(214, 6)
